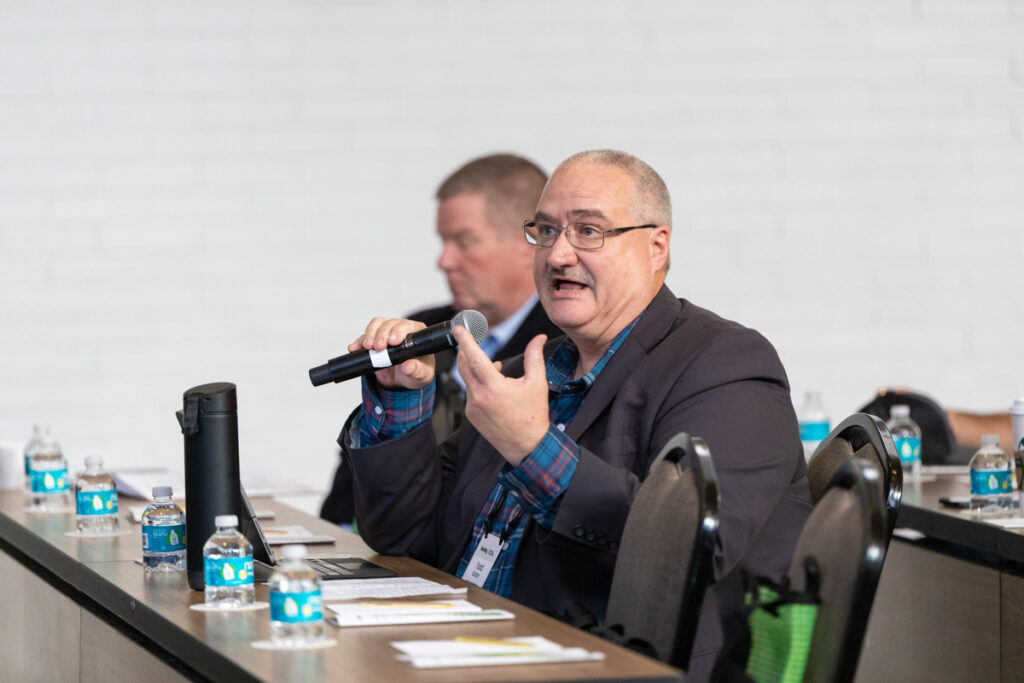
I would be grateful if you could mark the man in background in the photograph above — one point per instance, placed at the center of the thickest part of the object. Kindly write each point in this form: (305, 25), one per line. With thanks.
(489, 268)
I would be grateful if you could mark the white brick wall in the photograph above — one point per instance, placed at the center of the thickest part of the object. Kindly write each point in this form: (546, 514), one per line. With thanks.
(227, 190)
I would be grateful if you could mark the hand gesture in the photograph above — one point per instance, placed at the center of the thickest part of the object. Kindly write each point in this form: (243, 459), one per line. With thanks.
(511, 413)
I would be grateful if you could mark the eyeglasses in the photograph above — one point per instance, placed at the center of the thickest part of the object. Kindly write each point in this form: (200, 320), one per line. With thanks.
(580, 235)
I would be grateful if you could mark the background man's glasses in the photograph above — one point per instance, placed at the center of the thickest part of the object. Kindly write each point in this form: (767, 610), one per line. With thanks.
(580, 235)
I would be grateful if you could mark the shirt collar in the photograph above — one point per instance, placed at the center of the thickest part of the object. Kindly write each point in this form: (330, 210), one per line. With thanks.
(503, 331)
(561, 366)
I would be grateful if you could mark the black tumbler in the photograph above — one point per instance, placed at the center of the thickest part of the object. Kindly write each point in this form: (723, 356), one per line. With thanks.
(209, 422)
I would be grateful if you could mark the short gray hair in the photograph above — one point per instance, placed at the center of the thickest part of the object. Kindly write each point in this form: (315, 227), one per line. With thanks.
(652, 201)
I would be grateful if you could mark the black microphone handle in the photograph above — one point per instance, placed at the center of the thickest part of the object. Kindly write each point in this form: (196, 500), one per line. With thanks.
(358, 363)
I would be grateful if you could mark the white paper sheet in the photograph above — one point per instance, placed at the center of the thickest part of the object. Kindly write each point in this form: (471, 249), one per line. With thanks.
(393, 587)
(473, 651)
(380, 613)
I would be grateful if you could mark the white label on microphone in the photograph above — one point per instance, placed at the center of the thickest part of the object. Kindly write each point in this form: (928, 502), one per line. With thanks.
(380, 359)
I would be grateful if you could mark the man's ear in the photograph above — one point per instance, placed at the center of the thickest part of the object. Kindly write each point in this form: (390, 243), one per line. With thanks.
(659, 243)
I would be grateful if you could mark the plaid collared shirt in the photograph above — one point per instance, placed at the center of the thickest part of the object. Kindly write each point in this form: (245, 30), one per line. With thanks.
(540, 479)
(536, 484)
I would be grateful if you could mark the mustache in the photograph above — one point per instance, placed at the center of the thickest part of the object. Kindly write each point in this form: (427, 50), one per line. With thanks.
(576, 274)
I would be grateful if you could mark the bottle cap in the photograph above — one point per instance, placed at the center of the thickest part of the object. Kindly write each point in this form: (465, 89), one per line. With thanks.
(225, 520)
(899, 410)
(293, 552)
(989, 439)
(93, 461)
(162, 491)
(1018, 406)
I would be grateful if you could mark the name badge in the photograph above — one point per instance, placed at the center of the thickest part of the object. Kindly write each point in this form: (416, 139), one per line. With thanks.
(483, 560)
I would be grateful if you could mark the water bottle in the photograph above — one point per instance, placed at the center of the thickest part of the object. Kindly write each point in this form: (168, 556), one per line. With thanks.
(163, 534)
(814, 422)
(48, 476)
(296, 604)
(30, 449)
(906, 435)
(227, 565)
(991, 485)
(96, 499)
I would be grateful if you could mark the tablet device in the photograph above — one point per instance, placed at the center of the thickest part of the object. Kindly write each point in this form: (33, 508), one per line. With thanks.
(327, 568)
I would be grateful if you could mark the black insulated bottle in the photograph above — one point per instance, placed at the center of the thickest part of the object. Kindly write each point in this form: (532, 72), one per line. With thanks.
(209, 423)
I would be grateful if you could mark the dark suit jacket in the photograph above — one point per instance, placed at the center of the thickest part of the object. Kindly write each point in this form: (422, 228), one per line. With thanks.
(449, 403)
(682, 368)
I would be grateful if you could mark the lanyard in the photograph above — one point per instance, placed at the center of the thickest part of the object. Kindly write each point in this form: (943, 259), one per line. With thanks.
(489, 548)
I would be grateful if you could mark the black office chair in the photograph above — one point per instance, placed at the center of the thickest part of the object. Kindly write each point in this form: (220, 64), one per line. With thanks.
(848, 536)
(938, 443)
(865, 437)
(665, 555)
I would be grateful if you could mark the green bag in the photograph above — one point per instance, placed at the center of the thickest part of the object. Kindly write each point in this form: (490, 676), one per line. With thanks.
(769, 639)
(781, 627)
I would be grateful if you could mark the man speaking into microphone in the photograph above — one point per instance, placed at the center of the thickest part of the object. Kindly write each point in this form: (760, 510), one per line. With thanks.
(529, 497)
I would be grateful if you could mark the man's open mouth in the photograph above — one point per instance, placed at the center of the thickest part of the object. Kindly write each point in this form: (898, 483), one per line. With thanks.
(564, 284)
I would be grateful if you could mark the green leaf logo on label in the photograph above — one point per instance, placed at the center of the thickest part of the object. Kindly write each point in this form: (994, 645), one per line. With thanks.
(291, 608)
(172, 537)
(97, 503)
(228, 573)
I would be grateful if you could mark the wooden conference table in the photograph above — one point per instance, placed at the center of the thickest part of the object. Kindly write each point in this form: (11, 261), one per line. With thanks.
(82, 610)
(950, 603)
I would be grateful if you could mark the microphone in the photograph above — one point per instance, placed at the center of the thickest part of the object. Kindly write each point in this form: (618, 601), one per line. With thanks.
(425, 342)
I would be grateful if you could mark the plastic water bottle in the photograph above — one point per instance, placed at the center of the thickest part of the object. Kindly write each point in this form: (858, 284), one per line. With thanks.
(30, 449)
(296, 604)
(814, 422)
(227, 565)
(96, 499)
(906, 435)
(48, 476)
(991, 484)
(163, 534)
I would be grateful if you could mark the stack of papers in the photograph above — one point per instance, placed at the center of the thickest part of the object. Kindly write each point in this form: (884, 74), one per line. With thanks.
(470, 651)
(397, 587)
(378, 613)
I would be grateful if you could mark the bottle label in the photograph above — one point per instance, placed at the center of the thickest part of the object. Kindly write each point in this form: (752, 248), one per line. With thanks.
(990, 482)
(28, 463)
(909, 449)
(813, 431)
(294, 608)
(228, 571)
(48, 481)
(163, 539)
(96, 502)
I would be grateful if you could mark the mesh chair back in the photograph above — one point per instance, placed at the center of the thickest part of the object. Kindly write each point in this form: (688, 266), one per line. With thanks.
(664, 559)
(848, 536)
(862, 437)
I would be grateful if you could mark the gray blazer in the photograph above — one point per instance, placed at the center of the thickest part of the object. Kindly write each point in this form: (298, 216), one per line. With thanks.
(682, 368)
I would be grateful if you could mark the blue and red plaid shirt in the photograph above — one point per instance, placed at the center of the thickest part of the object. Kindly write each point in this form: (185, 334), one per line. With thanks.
(536, 484)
